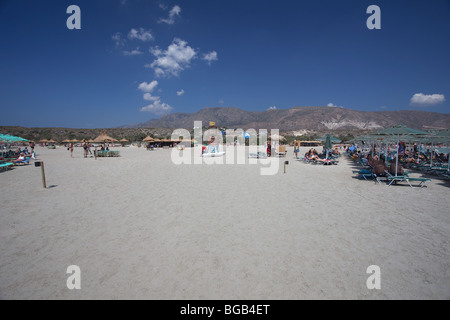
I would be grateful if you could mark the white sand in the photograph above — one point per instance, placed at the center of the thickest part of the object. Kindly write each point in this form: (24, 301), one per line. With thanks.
(140, 227)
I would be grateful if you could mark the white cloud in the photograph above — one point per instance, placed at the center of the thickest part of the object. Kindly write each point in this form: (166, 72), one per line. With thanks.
(332, 105)
(210, 57)
(148, 87)
(426, 100)
(157, 107)
(175, 11)
(180, 93)
(148, 97)
(117, 38)
(141, 34)
(134, 52)
(272, 108)
(221, 101)
(172, 61)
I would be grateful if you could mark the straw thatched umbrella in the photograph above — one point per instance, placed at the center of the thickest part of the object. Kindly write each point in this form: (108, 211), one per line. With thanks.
(103, 137)
(123, 141)
(148, 139)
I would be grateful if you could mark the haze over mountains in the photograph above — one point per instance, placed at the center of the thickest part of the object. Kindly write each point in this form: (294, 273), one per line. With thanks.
(302, 118)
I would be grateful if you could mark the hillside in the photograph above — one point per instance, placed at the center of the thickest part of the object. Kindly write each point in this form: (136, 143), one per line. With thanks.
(303, 118)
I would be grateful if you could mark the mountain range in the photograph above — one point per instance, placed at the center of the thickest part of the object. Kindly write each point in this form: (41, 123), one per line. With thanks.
(302, 118)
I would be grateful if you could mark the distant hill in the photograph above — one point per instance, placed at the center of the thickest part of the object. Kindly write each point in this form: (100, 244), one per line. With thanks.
(302, 118)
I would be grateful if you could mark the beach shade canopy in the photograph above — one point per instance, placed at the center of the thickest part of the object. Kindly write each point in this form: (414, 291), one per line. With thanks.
(123, 140)
(43, 141)
(332, 139)
(51, 141)
(148, 139)
(443, 136)
(401, 132)
(328, 144)
(103, 137)
(10, 138)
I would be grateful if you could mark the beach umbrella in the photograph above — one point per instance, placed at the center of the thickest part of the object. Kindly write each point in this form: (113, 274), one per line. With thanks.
(398, 132)
(328, 144)
(10, 138)
(332, 139)
(148, 139)
(103, 137)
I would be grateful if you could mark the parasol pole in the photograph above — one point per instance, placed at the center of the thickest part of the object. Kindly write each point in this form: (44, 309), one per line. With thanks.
(431, 156)
(396, 159)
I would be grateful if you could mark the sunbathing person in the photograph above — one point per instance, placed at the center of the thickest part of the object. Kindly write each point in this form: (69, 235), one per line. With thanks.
(20, 159)
(312, 155)
(400, 171)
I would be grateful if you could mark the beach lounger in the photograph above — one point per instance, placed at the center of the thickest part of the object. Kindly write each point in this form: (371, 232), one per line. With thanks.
(391, 179)
(6, 165)
(365, 174)
(395, 179)
(22, 163)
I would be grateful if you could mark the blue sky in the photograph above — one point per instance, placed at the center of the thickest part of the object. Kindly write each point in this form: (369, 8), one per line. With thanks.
(134, 60)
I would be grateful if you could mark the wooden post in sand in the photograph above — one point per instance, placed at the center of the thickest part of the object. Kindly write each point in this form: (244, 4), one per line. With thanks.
(41, 164)
(44, 184)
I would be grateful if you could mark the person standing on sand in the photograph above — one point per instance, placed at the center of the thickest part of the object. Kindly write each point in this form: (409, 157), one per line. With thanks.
(71, 149)
(296, 150)
(85, 148)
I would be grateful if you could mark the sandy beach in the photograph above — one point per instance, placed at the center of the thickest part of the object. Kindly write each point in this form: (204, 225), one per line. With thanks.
(141, 227)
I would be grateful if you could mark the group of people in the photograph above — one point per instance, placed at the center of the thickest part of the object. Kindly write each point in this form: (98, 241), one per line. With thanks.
(86, 148)
(379, 166)
(312, 154)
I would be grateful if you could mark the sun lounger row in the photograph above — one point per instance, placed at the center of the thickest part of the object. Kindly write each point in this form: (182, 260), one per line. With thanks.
(107, 153)
(368, 173)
